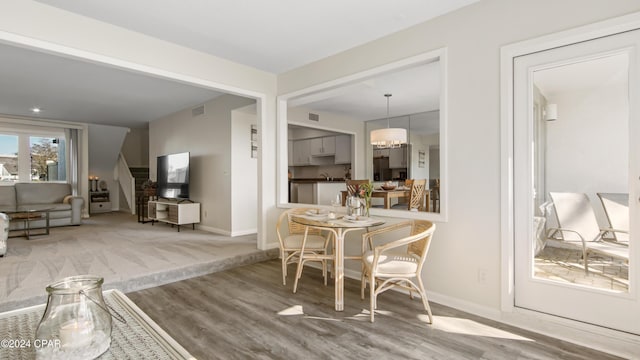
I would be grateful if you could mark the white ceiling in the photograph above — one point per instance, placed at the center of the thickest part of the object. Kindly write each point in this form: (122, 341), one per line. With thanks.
(414, 90)
(582, 75)
(271, 35)
(77, 91)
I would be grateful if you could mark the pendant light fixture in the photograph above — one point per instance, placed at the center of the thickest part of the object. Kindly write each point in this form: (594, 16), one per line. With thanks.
(388, 137)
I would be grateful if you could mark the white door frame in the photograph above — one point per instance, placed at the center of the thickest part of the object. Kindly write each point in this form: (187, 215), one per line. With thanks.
(612, 341)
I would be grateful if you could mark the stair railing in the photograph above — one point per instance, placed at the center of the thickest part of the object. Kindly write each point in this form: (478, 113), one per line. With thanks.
(127, 182)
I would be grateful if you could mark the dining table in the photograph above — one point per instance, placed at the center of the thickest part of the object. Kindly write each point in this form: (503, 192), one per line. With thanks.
(387, 195)
(339, 227)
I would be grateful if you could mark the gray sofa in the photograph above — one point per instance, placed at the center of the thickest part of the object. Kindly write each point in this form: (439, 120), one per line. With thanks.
(64, 209)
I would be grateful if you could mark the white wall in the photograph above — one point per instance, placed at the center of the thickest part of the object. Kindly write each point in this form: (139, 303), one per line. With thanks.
(473, 36)
(598, 159)
(305, 133)
(105, 143)
(136, 147)
(244, 173)
(208, 139)
(434, 163)
(432, 143)
(50, 25)
(313, 172)
(419, 143)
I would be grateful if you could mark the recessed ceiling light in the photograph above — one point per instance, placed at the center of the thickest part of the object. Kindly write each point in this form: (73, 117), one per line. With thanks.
(35, 110)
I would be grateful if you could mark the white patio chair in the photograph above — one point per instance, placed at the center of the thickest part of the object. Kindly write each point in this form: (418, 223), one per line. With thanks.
(578, 226)
(616, 207)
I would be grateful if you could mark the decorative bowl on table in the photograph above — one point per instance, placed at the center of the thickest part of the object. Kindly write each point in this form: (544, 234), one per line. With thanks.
(388, 187)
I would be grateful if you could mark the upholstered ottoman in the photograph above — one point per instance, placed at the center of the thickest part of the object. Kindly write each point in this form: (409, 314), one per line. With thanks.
(4, 233)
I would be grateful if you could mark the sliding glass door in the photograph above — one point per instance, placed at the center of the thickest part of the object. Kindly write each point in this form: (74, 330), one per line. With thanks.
(576, 174)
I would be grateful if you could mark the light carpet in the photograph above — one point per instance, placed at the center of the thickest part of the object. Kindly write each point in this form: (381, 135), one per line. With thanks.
(129, 256)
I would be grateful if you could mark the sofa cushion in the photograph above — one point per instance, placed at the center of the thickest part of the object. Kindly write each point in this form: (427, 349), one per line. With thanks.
(50, 207)
(47, 193)
(7, 197)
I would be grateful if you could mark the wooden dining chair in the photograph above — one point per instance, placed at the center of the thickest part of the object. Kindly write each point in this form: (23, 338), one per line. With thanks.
(291, 241)
(397, 263)
(352, 185)
(416, 195)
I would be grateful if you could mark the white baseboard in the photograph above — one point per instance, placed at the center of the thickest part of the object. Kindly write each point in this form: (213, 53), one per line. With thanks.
(213, 230)
(463, 305)
(244, 232)
(226, 232)
(599, 338)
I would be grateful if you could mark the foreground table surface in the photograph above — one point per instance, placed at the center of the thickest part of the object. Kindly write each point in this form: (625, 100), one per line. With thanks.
(339, 227)
(139, 338)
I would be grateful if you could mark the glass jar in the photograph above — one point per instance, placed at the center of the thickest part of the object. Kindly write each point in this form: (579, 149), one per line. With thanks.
(76, 323)
(354, 206)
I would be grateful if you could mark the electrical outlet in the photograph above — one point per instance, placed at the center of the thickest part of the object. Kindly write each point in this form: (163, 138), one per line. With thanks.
(482, 276)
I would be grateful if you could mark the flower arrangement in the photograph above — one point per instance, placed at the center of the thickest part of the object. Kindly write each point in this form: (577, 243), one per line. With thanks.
(364, 190)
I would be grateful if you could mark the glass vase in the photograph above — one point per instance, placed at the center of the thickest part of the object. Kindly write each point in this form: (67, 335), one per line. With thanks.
(366, 204)
(76, 322)
(354, 206)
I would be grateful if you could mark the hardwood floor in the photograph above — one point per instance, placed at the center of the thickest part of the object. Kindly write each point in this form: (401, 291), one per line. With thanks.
(246, 313)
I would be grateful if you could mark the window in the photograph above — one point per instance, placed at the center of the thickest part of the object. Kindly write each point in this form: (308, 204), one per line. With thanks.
(47, 158)
(8, 158)
(353, 105)
(28, 157)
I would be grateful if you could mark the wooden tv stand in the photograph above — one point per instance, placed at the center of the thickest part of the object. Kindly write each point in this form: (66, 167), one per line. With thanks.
(174, 212)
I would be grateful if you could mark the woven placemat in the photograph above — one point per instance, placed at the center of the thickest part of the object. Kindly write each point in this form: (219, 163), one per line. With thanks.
(132, 340)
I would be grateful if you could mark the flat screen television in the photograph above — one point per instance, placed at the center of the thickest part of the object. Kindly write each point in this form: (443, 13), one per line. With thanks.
(173, 176)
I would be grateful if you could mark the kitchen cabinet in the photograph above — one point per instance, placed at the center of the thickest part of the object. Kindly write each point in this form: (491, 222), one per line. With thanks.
(342, 149)
(307, 193)
(380, 153)
(323, 146)
(290, 152)
(301, 152)
(317, 193)
(398, 158)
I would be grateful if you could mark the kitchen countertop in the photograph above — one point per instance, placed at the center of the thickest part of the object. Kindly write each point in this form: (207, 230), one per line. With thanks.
(316, 180)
